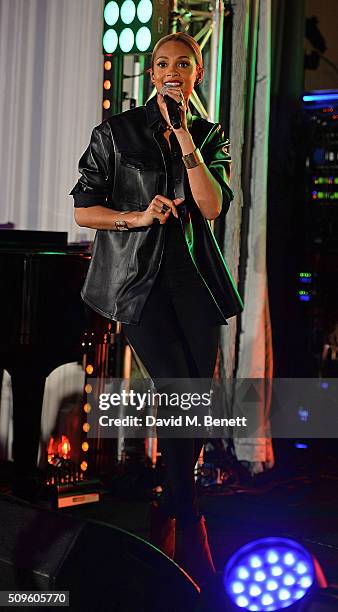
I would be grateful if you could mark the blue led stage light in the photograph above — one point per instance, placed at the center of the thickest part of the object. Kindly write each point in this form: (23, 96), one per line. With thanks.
(269, 574)
(320, 97)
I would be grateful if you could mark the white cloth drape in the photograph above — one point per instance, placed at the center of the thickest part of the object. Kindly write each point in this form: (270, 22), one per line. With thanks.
(255, 350)
(50, 98)
(232, 239)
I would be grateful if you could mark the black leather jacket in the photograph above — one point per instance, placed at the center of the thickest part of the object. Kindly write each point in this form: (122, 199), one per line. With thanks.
(123, 168)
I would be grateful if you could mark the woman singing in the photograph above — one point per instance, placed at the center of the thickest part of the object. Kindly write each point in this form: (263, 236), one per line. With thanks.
(150, 191)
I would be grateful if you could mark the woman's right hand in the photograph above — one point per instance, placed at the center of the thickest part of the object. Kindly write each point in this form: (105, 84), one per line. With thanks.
(155, 211)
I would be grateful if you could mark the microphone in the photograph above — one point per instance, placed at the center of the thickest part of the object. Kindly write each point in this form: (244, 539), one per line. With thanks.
(173, 109)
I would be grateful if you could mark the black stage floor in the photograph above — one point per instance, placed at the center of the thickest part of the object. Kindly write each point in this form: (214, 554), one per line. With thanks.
(296, 501)
(302, 505)
(308, 514)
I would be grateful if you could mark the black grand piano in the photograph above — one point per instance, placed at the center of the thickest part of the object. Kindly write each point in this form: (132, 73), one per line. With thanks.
(42, 322)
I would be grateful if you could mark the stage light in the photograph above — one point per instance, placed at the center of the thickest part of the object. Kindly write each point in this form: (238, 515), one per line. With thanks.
(243, 573)
(144, 10)
(255, 562)
(289, 559)
(143, 39)
(134, 27)
(272, 557)
(106, 104)
(304, 296)
(289, 579)
(110, 41)
(305, 277)
(126, 40)
(286, 573)
(272, 585)
(111, 13)
(128, 11)
(320, 97)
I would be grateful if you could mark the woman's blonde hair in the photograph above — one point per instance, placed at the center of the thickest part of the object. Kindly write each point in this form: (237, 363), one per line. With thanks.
(187, 40)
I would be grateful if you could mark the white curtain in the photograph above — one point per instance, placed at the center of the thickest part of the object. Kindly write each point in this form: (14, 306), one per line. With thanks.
(255, 355)
(232, 239)
(255, 349)
(50, 98)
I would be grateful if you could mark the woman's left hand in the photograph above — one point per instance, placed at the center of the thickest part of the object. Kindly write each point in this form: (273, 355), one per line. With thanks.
(176, 94)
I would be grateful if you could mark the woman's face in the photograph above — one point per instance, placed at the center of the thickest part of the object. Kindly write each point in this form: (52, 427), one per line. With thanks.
(175, 62)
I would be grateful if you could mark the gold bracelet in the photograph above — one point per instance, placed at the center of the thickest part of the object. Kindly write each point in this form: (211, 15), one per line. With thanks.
(122, 226)
(191, 160)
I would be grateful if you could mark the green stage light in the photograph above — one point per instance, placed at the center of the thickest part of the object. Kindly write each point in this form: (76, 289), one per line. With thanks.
(144, 11)
(128, 11)
(110, 41)
(147, 22)
(126, 40)
(143, 39)
(111, 13)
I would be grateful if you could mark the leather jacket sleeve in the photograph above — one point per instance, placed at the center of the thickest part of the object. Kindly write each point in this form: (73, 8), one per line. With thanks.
(96, 167)
(218, 160)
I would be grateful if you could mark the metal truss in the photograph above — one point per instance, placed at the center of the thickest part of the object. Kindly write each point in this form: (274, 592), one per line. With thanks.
(204, 21)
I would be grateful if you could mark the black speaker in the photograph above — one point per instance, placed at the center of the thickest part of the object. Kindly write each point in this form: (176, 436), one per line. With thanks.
(103, 567)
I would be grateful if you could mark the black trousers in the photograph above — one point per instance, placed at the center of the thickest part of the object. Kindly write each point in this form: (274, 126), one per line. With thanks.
(178, 337)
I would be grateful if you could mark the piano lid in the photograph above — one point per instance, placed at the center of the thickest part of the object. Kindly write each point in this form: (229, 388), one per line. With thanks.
(28, 239)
